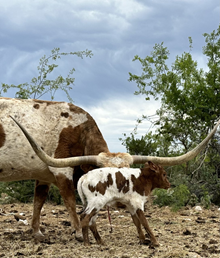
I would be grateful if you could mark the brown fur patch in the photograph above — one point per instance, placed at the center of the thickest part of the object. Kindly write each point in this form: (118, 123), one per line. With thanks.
(41, 190)
(46, 102)
(69, 143)
(122, 183)
(36, 106)
(76, 110)
(65, 186)
(84, 139)
(65, 114)
(2, 136)
(102, 186)
(139, 184)
(152, 176)
(90, 136)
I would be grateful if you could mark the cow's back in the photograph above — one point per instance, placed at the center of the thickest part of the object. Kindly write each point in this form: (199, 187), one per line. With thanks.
(60, 128)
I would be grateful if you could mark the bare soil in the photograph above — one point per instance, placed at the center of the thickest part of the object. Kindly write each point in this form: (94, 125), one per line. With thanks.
(186, 233)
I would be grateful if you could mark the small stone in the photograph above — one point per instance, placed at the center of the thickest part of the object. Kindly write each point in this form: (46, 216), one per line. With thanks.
(187, 232)
(212, 241)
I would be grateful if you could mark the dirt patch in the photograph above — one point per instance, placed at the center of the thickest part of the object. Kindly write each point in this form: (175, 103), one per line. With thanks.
(187, 233)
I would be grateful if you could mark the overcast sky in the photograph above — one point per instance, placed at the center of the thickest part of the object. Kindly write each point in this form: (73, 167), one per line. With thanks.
(115, 31)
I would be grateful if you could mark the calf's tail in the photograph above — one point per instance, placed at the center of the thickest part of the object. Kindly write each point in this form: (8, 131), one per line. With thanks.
(81, 195)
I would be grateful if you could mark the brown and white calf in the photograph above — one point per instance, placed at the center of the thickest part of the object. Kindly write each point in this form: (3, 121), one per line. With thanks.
(129, 186)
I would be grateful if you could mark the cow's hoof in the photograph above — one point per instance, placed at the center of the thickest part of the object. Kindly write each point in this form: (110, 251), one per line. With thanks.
(39, 236)
(79, 236)
(101, 242)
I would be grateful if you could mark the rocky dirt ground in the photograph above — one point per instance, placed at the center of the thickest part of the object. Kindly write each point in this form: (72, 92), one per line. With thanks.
(186, 233)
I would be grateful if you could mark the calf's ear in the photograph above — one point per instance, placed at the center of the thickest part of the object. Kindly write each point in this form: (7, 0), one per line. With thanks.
(153, 166)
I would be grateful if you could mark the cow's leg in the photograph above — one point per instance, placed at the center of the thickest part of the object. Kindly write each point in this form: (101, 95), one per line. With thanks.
(67, 192)
(40, 195)
(138, 226)
(85, 219)
(144, 222)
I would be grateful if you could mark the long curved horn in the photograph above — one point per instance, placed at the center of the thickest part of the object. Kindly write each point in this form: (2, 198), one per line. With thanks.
(65, 162)
(171, 161)
(75, 161)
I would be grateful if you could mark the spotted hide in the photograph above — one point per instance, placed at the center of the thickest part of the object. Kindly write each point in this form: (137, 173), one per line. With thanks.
(62, 130)
(129, 186)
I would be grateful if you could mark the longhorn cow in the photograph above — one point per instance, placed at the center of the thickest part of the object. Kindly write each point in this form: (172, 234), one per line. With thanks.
(68, 142)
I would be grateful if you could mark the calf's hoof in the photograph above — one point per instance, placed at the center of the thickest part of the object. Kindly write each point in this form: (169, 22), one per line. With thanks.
(154, 244)
(79, 236)
(101, 242)
(145, 242)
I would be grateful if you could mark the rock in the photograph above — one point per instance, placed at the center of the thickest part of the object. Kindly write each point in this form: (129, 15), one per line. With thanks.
(200, 220)
(194, 255)
(198, 208)
(212, 241)
(187, 232)
(21, 221)
(185, 213)
(18, 217)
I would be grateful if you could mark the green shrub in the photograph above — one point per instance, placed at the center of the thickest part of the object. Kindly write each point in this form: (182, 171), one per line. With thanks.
(54, 195)
(176, 197)
(22, 191)
(206, 198)
(193, 200)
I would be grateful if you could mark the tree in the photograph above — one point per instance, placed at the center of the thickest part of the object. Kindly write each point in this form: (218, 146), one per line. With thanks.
(23, 190)
(190, 97)
(190, 106)
(41, 85)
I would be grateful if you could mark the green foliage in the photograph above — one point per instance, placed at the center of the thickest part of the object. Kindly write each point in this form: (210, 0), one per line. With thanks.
(190, 96)
(41, 84)
(54, 195)
(193, 200)
(176, 197)
(206, 199)
(22, 191)
(190, 106)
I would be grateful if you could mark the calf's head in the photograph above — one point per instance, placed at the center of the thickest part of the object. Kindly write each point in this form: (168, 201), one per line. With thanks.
(158, 175)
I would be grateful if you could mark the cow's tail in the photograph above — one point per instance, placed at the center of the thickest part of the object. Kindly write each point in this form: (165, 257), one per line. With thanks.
(81, 195)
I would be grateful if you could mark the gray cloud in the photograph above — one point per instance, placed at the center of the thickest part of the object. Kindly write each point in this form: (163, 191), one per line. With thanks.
(115, 31)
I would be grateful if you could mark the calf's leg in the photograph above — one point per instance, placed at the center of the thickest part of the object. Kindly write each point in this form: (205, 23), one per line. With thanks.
(85, 220)
(95, 233)
(40, 195)
(144, 222)
(138, 226)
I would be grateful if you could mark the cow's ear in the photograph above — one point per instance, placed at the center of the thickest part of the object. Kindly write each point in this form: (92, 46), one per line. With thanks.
(153, 166)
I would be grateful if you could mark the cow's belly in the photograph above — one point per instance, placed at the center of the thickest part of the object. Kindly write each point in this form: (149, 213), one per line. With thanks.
(24, 169)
